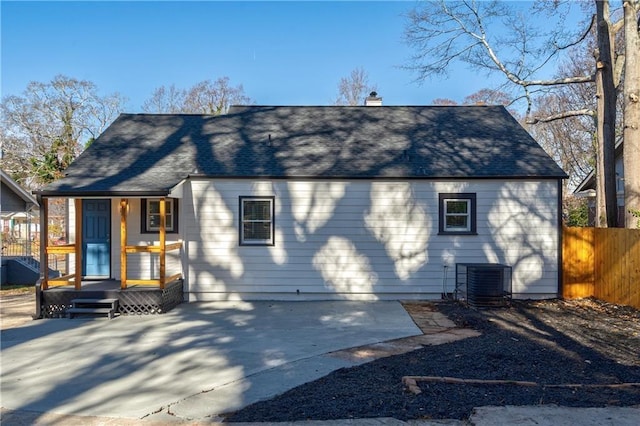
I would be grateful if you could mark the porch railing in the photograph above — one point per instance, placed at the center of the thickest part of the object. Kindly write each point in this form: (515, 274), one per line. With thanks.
(20, 247)
(52, 252)
(163, 277)
(28, 251)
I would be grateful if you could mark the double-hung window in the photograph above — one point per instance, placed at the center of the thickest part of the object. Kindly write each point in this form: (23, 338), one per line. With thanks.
(457, 213)
(151, 215)
(257, 220)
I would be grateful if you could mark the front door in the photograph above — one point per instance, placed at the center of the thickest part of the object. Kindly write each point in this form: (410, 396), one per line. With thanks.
(96, 238)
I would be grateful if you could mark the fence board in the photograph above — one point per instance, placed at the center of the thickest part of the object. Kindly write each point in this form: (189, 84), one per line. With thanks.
(619, 263)
(622, 291)
(633, 268)
(604, 272)
(578, 262)
(602, 262)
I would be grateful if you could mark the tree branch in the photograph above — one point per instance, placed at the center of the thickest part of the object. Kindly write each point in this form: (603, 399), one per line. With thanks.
(617, 26)
(525, 83)
(581, 38)
(562, 115)
(558, 81)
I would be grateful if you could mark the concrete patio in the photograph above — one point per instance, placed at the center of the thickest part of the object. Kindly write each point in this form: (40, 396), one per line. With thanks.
(196, 361)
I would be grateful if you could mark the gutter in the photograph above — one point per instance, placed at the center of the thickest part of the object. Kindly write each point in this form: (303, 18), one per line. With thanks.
(103, 194)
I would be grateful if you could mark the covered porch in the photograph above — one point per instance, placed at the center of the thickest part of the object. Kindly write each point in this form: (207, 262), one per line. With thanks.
(154, 290)
(134, 300)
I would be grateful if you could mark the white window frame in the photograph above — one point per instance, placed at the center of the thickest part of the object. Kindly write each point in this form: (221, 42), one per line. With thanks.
(169, 213)
(447, 215)
(257, 242)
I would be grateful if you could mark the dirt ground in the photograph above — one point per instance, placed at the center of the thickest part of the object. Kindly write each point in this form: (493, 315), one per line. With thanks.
(611, 330)
(17, 307)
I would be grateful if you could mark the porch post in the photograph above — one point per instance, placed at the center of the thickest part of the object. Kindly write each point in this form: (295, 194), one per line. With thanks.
(44, 241)
(163, 240)
(124, 206)
(78, 243)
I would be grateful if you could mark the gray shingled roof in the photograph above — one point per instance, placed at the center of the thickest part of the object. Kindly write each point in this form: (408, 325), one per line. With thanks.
(589, 181)
(14, 198)
(148, 153)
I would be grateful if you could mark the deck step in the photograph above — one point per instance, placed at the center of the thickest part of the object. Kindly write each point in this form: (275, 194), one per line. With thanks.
(88, 310)
(93, 306)
(93, 301)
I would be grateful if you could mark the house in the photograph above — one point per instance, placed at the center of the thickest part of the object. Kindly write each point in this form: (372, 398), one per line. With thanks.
(313, 202)
(19, 224)
(17, 208)
(587, 188)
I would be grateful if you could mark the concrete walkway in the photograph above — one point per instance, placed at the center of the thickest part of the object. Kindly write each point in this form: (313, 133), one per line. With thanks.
(195, 362)
(545, 415)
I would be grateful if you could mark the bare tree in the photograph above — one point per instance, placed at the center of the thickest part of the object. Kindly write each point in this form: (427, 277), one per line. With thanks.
(445, 32)
(46, 127)
(13, 158)
(444, 102)
(493, 97)
(632, 113)
(606, 196)
(481, 97)
(165, 100)
(570, 141)
(488, 97)
(205, 97)
(216, 97)
(353, 89)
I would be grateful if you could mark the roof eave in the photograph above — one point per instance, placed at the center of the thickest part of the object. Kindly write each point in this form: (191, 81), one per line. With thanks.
(13, 185)
(586, 184)
(380, 177)
(103, 194)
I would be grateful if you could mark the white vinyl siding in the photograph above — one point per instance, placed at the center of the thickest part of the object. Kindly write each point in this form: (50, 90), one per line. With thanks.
(365, 240)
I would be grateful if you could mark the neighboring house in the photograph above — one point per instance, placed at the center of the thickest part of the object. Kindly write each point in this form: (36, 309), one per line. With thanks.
(295, 202)
(587, 188)
(17, 210)
(19, 224)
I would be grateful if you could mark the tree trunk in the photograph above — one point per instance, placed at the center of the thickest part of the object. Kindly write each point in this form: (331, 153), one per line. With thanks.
(632, 115)
(606, 209)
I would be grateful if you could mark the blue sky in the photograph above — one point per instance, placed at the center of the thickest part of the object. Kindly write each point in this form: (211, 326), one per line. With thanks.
(283, 53)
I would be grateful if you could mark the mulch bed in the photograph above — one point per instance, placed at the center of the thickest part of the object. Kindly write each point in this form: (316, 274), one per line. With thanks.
(548, 342)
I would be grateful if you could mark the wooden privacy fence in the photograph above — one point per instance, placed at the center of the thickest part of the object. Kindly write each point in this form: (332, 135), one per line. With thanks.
(603, 263)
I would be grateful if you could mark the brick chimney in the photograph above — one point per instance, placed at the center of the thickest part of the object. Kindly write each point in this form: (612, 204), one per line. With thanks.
(373, 100)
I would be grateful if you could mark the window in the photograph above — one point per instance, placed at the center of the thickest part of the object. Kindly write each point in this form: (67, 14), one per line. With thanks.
(151, 215)
(457, 213)
(256, 221)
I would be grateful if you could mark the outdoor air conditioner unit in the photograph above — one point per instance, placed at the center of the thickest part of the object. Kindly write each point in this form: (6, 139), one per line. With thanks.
(483, 284)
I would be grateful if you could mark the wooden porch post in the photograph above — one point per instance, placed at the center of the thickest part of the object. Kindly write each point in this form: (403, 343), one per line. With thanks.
(78, 243)
(163, 240)
(44, 241)
(124, 206)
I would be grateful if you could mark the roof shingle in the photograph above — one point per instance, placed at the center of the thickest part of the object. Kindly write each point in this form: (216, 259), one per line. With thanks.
(151, 153)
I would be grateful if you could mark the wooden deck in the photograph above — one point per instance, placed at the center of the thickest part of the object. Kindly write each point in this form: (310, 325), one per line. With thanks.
(136, 300)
